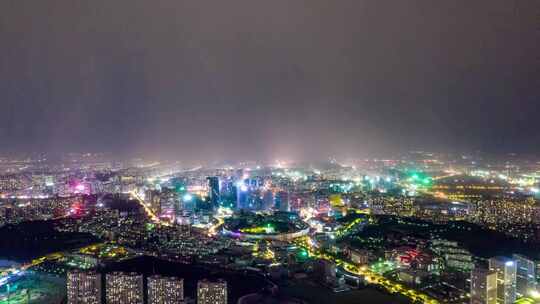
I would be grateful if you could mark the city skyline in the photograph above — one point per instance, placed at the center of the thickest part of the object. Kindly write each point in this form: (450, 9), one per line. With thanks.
(276, 152)
(421, 228)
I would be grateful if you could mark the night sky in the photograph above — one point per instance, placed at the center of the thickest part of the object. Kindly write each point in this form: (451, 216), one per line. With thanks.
(210, 80)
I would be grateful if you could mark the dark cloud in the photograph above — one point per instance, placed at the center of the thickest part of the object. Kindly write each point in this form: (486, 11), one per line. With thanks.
(202, 79)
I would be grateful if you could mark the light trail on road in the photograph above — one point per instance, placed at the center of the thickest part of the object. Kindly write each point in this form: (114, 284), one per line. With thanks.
(148, 211)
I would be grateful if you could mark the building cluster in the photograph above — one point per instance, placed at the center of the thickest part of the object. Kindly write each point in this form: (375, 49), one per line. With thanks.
(517, 216)
(504, 280)
(133, 288)
(13, 211)
(181, 242)
(227, 216)
(443, 269)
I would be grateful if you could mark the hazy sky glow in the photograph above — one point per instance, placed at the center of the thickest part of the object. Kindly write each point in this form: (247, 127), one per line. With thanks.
(202, 79)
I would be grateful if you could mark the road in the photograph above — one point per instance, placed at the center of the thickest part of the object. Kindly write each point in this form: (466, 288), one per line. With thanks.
(155, 219)
(370, 276)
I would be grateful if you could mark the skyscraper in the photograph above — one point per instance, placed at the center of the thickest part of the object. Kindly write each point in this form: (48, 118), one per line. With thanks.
(165, 290)
(211, 292)
(506, 278)
(525, 276)
(282, 201)
(228, 194)
(83, 287)
(124, 288)
(242, 196)
(268, 200)
(483, 286)
(213, 191)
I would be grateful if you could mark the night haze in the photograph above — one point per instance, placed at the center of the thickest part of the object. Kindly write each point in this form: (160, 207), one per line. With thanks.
(269, 152)
(215, 80)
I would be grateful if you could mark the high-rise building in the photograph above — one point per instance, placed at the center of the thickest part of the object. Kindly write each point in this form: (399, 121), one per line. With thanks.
(525, 276)
(124, 288)
(154, 199)
(506, 278)
(242, 196)
(268, 200)
(83, 287)
(209, 292)
(169, 202)
(483, 286)
(227, 188)
(282, 201)
(165, 290)
(228, 194)
(213, 191)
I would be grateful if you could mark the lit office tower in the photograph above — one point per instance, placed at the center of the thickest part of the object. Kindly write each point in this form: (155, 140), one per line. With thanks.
(242, 195)
(483, 286)
(83, 287)
(525, 276)
(227, 188)
(213, 191)
(165, 290)
(506, 278)
(212, 292)
(282, 201)
(124, 288)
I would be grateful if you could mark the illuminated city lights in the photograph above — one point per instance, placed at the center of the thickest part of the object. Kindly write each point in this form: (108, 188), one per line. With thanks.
(331, 225)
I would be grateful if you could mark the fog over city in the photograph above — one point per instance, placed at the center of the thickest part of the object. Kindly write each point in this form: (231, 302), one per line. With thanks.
(269, 152)
(215, 80)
